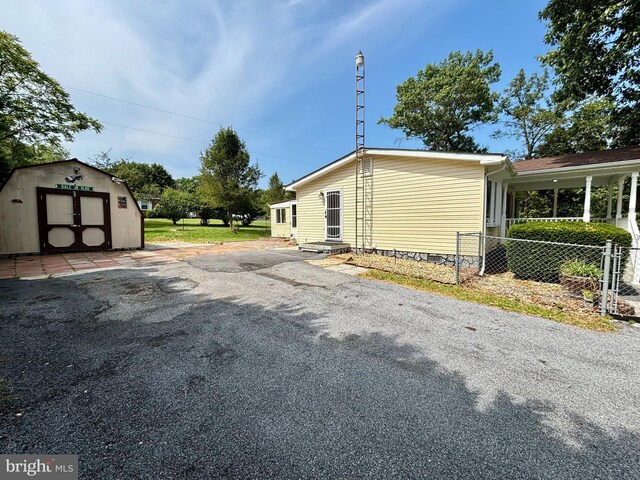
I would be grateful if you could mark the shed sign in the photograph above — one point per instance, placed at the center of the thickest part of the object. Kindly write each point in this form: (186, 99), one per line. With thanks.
(81, 188)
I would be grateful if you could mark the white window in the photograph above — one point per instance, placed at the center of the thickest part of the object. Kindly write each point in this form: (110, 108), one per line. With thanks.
(368, 166)
(294, 215)
(144, 205)
(281, 215)
(492, 205)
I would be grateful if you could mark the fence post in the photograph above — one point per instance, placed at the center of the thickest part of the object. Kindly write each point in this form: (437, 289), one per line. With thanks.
(457, 258)
(605, 278)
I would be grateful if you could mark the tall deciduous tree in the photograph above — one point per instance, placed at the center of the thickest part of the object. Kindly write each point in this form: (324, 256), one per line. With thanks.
(595, 52)
(529, 115)
(146, 180)
(34, 108)
(589, 127)
(446, 101)
(228, 178)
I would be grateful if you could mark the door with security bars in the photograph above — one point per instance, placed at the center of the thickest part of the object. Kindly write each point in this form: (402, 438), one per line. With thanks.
(73, 221)
(294, 220)
(334, 215)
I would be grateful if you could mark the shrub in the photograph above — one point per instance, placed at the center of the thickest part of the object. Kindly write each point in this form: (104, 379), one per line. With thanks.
(174, 204)
(206, 213)
(543, 261)
(580, 268)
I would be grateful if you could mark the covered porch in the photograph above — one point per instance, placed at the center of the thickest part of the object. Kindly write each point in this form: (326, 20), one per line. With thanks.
(574, 184)
(619, 211)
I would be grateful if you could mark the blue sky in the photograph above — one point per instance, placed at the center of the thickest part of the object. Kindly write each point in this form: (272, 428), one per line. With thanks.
(280, 72)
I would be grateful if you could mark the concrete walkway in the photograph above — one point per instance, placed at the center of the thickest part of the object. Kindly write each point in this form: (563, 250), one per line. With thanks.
(337, 265)
(38, 266)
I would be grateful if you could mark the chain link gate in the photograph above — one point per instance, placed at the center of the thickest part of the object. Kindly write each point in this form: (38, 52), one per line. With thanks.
(611, 290)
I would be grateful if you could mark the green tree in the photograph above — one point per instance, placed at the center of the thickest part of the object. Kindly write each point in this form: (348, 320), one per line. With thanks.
(19, 154)
(595, 51)
(446, 101)
(35, 111)
(191, 185)
(229, 180)
(275, 192)
(529, 114)
(146, 180)
(174, 204)
(589, 127)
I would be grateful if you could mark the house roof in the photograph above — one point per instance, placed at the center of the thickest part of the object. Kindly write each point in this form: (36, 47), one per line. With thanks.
(578, 159)
(283, 203)
(483, 158)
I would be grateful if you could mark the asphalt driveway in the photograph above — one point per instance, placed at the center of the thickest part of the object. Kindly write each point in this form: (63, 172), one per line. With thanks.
(258, 365)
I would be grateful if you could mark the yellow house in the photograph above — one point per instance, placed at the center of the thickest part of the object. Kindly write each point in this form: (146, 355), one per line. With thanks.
(411, 203)
(403, 202)
(284, 219)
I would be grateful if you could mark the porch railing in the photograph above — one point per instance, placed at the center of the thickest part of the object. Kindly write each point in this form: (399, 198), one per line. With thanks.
(513, 221)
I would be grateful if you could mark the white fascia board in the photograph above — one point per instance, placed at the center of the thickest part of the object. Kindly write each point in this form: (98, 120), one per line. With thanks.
(332, 166)
(288, 203)
(484, 159)
(586, 168)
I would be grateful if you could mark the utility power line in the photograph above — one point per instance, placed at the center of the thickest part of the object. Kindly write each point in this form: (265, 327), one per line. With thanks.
(169, 112)
(204, 142)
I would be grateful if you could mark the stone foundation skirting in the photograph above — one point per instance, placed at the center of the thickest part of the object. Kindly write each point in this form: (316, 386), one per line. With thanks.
(447, 259)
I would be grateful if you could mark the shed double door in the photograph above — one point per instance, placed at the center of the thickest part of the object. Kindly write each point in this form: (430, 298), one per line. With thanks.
(73, 221)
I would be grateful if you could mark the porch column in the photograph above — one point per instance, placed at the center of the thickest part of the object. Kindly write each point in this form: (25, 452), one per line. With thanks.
(503, 211)
(620, 190)
(586, 216)
(632, 195)
(555, 202)
(609, 201)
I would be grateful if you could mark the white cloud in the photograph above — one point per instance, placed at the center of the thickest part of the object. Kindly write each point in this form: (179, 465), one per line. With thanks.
(230, 62)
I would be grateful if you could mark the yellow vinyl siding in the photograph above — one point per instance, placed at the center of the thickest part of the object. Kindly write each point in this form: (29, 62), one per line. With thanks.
(281, 229)
(419, 204)
(311, 220)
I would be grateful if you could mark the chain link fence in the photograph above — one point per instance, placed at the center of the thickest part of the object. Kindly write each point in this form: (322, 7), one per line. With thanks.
(535, 260)
(600, 273)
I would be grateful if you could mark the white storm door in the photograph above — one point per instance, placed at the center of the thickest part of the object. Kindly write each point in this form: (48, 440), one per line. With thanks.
(334, 214)
(294, 220)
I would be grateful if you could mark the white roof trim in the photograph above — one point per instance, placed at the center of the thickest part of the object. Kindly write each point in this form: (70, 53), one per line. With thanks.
(285, 204)
(593, 166)
(484, 159)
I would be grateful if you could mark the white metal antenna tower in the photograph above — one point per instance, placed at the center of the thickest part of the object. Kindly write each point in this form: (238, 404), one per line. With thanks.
(364, 168)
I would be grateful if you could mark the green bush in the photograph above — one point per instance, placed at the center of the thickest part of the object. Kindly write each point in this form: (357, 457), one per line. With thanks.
(580, 268)
(543, 261)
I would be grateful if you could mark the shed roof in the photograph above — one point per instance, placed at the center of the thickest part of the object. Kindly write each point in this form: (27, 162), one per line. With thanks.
(578, 159)
(71, 160)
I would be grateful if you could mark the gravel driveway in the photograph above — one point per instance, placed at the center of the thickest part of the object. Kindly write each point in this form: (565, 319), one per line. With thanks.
(258, 365)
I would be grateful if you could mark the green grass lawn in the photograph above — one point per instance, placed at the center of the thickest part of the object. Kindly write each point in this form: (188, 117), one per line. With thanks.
(163, 230)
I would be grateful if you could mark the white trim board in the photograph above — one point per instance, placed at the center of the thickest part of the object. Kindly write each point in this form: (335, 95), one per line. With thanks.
(286, 204)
